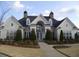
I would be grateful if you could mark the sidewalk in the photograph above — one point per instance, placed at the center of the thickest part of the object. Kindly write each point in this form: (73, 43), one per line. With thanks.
(49, 51)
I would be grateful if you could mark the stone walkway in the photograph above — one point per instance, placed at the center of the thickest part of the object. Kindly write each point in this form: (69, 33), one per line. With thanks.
(49, 51)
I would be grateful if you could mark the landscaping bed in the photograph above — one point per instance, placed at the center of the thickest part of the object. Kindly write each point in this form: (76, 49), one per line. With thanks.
(51, 42)
(27, 44)
(61, 46)
(59, 43)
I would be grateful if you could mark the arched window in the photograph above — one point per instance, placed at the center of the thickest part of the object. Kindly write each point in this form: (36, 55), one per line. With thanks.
(28, 21)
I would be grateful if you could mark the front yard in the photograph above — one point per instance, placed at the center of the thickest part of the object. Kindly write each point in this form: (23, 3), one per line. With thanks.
(72, 51)
(20, 51)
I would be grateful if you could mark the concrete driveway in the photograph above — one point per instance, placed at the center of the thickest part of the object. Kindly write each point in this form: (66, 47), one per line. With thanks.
(49, 51)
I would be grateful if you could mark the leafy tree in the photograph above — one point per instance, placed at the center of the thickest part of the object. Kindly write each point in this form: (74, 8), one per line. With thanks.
(18, 36)
(61, 36)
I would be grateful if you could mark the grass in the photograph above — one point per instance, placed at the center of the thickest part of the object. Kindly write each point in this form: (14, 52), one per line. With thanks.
(72, 51)
(20, 51)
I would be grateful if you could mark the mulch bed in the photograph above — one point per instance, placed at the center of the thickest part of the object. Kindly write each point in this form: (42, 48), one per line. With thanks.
(26, 45)
(61, 46)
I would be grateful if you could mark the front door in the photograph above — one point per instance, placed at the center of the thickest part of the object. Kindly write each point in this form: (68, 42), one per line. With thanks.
(40, 31)
(39, 35)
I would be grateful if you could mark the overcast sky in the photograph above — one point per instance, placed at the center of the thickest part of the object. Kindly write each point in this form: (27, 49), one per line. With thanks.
(61, 9)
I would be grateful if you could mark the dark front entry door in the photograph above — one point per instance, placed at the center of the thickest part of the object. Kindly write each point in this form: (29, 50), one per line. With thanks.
(39, 36)
(40, 30)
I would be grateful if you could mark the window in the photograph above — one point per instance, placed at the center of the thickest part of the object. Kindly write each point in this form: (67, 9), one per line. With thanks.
(28, 21)
(68, 35)
(11, 24)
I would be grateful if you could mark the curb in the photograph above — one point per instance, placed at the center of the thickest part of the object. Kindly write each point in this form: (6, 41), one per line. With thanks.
(62, 53)
(6, 55)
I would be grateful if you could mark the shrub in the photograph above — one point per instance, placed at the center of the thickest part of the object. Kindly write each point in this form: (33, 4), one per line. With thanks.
(61, 36)
(48, 35)
(76, 37)
(18, 36)
(33, 36)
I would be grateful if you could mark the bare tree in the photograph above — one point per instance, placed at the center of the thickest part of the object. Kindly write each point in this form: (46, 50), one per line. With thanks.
(3, 11)
(3, 14)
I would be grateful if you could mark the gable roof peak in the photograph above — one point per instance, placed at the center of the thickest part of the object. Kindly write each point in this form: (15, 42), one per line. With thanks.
(13, 17)
(40, 15)
(66, 18)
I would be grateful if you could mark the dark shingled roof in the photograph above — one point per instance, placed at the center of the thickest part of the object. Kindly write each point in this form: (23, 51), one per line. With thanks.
(23, 20)
(55, 22)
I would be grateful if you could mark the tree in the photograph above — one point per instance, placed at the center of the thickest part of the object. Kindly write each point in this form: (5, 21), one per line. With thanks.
(76, 37)
(61, 36)
(3, 14)
(33, 35)
(4, 11)
(24, 39)
(48, 35)
(18, 36)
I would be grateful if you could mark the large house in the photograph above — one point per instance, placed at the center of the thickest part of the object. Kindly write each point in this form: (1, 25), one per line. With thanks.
(40, 24)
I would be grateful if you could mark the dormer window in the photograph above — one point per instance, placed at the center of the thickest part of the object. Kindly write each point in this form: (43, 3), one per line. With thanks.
(28, 21)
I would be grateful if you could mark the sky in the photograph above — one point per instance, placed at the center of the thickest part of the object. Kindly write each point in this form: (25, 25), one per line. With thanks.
(61, 9)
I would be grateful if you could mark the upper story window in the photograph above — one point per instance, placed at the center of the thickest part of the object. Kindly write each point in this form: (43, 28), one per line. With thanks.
(28, 21)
